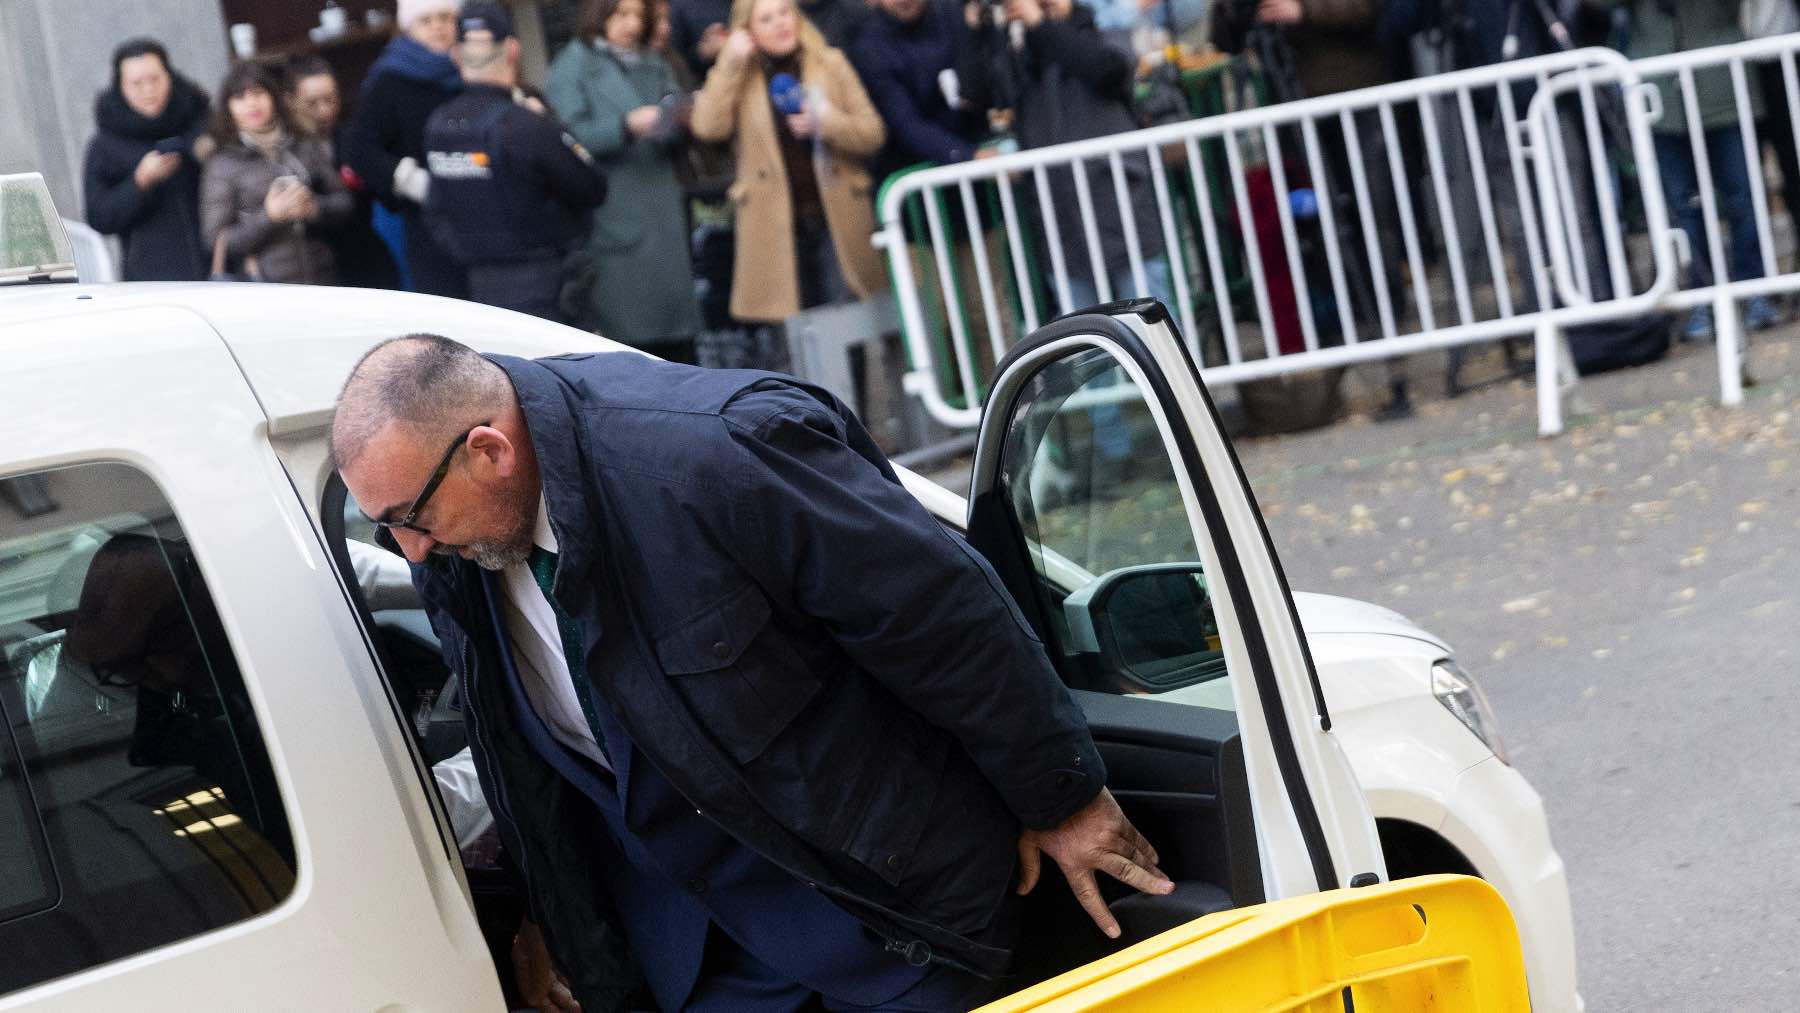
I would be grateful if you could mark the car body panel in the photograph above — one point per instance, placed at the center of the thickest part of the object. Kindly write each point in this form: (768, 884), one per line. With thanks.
(155, 375)
(1496, 819)
(1330, 613)
(194, 428)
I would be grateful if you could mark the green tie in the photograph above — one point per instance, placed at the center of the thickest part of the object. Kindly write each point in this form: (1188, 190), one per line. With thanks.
(543, 569)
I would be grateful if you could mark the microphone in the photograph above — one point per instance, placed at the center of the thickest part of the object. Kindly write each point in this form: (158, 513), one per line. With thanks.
(787, 93)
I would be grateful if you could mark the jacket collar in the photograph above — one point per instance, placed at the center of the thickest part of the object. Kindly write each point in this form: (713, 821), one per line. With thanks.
(183, 116)
(551, 423)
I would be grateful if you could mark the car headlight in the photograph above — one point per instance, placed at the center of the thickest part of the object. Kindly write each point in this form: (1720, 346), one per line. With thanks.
(1460, 695)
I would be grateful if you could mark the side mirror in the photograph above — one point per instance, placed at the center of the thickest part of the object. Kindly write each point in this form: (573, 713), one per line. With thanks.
(1147, 628)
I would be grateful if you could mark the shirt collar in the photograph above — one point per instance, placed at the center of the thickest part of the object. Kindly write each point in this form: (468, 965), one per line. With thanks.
(541, 535)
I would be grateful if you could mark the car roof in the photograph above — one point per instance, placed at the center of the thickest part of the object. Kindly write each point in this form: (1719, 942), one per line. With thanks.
(294, 344)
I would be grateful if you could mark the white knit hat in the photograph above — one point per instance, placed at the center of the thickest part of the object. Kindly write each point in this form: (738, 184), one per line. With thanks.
(413, 10)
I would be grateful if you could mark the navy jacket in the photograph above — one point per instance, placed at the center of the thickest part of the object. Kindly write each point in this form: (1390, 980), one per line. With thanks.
(508, 184)
(822, 669)
(899, 65)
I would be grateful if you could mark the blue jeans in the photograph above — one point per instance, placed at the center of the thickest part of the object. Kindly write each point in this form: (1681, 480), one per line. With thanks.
(1084, 293)
(1731, 181)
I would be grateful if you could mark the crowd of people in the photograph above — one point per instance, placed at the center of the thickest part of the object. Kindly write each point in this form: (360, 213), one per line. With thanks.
(778, 118)
(693, 168)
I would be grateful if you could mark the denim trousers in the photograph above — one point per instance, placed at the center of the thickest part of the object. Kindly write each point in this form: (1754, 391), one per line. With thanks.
(1731, 183)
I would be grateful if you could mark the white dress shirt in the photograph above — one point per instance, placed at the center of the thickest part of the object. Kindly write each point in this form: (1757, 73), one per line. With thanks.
(538, 651)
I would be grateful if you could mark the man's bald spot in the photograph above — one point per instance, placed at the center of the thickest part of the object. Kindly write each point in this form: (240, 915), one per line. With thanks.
(424, 386)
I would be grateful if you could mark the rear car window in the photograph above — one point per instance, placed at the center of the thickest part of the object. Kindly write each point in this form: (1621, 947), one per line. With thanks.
(137, 802)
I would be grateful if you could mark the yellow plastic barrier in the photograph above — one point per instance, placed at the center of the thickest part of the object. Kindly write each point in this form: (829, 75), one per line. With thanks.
(1434, 943)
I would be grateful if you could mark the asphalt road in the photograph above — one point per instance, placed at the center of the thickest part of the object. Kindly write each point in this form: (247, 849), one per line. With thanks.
(1627, 595)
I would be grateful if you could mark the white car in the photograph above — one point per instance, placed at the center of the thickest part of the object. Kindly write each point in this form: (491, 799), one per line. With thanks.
(216, 751)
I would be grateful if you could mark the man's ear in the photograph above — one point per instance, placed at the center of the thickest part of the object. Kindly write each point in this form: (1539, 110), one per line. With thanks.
(456, 56)
(492, 453)
(513, 51)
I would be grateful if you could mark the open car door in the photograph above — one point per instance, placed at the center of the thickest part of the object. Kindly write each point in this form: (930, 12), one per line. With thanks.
(1110, 502)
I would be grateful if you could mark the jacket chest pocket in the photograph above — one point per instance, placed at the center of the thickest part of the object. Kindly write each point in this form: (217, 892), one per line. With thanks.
(737, 673)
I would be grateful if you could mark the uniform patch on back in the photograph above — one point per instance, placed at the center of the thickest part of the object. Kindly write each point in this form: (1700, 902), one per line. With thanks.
(459, 164)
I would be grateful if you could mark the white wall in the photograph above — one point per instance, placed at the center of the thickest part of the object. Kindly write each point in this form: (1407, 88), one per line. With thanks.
(54, 59)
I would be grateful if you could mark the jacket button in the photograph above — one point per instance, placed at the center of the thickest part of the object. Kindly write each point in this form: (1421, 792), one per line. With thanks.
(722, 650)
(697, 885)
(893, 863)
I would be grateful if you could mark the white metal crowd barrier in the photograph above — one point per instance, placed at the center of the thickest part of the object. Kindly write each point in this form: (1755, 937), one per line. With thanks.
(1384, 257)
(1679, 79)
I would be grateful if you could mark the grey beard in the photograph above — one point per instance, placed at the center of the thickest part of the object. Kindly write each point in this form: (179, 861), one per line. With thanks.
(498, 556)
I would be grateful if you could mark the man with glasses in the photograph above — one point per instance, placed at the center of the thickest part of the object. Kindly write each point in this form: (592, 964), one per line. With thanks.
(752, 724)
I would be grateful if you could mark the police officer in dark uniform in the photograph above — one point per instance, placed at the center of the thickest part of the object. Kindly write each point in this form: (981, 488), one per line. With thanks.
(511, 192)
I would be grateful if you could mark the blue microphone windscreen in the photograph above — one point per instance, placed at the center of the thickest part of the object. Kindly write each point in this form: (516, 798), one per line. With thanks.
(787, 94)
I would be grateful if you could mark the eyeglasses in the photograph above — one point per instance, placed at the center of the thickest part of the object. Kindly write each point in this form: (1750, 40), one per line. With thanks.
(424, 496)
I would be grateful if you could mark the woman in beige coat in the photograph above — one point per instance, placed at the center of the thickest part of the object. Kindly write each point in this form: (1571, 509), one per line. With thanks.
(804, 217)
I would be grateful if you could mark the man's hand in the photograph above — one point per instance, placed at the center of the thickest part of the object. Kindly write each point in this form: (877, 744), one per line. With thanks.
(1278, 12)
(541, 985)
(1099, 837)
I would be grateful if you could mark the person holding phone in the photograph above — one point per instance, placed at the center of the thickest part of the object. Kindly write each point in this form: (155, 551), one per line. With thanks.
(619, 100)
(314, 102)
(801, 126)
(141, 176)
(268, 193)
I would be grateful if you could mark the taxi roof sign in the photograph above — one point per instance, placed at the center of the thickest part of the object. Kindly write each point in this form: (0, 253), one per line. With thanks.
(33, 244)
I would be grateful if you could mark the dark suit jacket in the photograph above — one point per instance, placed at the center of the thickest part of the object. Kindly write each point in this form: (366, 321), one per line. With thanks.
(821, 668)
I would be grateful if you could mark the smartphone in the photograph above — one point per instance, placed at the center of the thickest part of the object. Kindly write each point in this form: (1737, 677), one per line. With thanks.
(171, 146)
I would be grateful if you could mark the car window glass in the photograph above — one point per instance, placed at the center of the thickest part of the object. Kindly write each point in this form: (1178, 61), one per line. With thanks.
(29, 882)
(138, 806)
(413, 665)
(1095, 496)
(411, 662)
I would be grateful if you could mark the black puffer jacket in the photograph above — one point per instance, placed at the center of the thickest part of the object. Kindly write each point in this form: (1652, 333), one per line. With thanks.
(159, 227)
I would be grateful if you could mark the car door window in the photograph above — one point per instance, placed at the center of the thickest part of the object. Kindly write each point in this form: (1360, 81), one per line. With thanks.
(411, 661)
(138, 805)
(423, 687)
(1100, 468)
(1100, 510)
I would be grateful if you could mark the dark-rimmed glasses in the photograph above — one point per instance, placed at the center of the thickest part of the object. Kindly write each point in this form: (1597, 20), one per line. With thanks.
(424, 496)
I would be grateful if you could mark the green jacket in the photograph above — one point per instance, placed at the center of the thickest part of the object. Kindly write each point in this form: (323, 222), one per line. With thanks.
(643, 294)
(1696, 24)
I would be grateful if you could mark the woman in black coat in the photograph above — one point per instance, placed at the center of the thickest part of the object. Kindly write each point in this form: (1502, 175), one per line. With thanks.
(141, 177)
